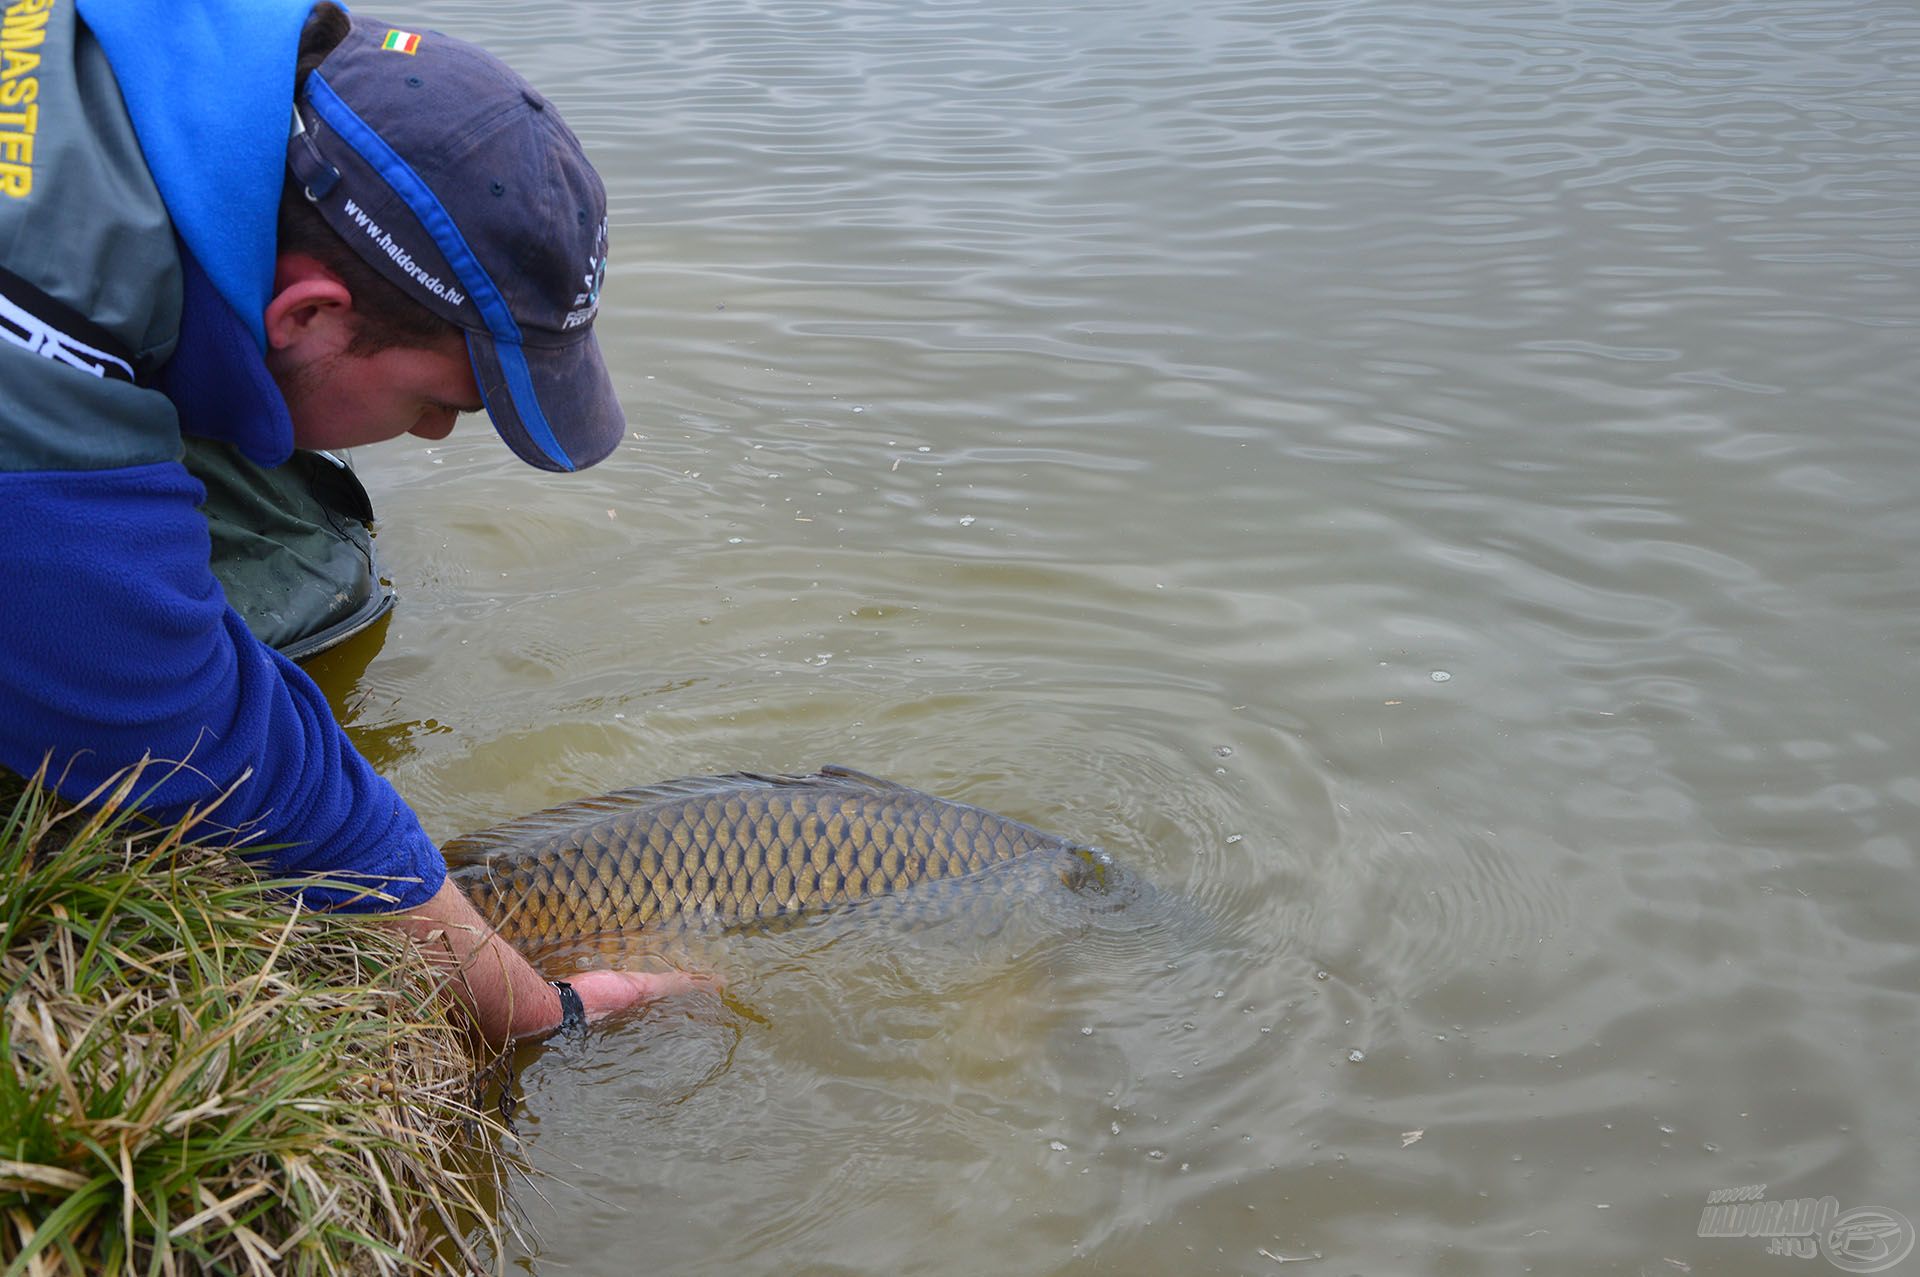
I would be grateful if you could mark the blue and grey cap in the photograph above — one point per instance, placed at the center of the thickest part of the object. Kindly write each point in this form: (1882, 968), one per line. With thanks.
(461, 184)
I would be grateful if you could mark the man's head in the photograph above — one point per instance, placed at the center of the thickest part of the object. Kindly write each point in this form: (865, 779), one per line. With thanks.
(442, 246)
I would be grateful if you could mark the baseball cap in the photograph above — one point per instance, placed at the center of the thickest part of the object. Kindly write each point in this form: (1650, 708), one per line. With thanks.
(459, 183)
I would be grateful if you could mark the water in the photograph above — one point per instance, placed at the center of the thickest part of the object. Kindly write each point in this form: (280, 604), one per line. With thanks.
(1430, 486)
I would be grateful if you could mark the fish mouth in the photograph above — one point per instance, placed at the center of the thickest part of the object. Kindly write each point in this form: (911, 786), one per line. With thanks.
(1089, 869)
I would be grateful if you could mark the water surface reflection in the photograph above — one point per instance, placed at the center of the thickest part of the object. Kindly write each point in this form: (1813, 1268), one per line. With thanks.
(1426, 484)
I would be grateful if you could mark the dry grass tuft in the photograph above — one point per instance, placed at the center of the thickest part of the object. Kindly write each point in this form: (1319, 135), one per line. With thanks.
(197, 1077)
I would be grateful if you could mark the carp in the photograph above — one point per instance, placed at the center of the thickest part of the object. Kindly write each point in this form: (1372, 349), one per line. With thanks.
(742, 849)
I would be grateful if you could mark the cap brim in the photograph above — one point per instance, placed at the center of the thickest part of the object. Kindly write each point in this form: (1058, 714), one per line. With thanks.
(554, 405)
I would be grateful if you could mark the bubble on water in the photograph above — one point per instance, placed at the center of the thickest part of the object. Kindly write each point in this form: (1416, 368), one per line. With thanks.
(1086, 1030)
(1057, 1146)
(966, 520)
(1157, 1154)
(1321, 975)
(1440, 676)
(735, 540)
(1234, 838)
(1356, 1055)
(1224, 751)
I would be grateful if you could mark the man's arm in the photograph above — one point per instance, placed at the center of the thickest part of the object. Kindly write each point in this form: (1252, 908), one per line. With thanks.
(118, 645)
(502, 992)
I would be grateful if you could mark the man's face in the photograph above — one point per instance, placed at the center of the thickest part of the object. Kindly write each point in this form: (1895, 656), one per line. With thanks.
(339, 400)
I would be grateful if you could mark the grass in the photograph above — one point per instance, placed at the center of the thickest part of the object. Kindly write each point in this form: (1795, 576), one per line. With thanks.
(196, 1076)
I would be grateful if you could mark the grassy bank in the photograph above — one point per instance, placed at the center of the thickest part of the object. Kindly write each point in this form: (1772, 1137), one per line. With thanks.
(197, 1077)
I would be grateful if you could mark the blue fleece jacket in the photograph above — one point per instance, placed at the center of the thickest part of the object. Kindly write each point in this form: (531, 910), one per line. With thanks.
(115, 640)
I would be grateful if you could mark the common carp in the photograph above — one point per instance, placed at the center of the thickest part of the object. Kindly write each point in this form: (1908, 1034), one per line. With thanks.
(736, 849)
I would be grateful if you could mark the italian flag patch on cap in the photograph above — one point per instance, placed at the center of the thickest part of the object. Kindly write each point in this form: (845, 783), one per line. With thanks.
(401, 41)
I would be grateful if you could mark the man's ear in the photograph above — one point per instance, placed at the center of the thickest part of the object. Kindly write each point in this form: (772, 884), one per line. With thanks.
(310, 306)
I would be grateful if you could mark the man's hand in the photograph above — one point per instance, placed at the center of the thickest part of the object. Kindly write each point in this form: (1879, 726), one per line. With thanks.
(604, 992)
(505, 996)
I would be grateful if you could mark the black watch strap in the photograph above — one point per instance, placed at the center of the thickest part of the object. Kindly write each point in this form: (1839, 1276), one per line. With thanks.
(573, 1012)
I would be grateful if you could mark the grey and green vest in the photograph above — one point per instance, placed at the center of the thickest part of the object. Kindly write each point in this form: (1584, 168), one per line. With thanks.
(291, 546)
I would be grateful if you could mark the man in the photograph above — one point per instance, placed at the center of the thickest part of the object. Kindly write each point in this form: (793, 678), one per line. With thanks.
(243, 222)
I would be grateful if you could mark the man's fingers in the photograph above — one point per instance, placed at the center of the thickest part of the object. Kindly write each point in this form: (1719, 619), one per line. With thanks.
(604, 992)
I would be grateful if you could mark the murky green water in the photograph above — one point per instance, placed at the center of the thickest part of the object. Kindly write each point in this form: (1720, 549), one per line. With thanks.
(1429, 485)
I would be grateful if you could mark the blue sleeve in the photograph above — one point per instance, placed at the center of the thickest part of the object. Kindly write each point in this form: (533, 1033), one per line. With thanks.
(116, 644)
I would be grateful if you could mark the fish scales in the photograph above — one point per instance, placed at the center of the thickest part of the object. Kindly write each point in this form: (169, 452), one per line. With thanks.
(733, 849)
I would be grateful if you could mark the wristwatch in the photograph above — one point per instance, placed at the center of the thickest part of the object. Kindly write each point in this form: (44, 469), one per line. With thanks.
(573, 1012)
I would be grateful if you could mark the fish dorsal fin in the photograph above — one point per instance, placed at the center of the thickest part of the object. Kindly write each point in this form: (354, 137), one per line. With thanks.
(847, 773)
(514, 835)
(834, 773)
(831, 776)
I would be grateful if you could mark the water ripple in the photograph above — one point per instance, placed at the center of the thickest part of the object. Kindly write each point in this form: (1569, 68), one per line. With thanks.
(1428, 485)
